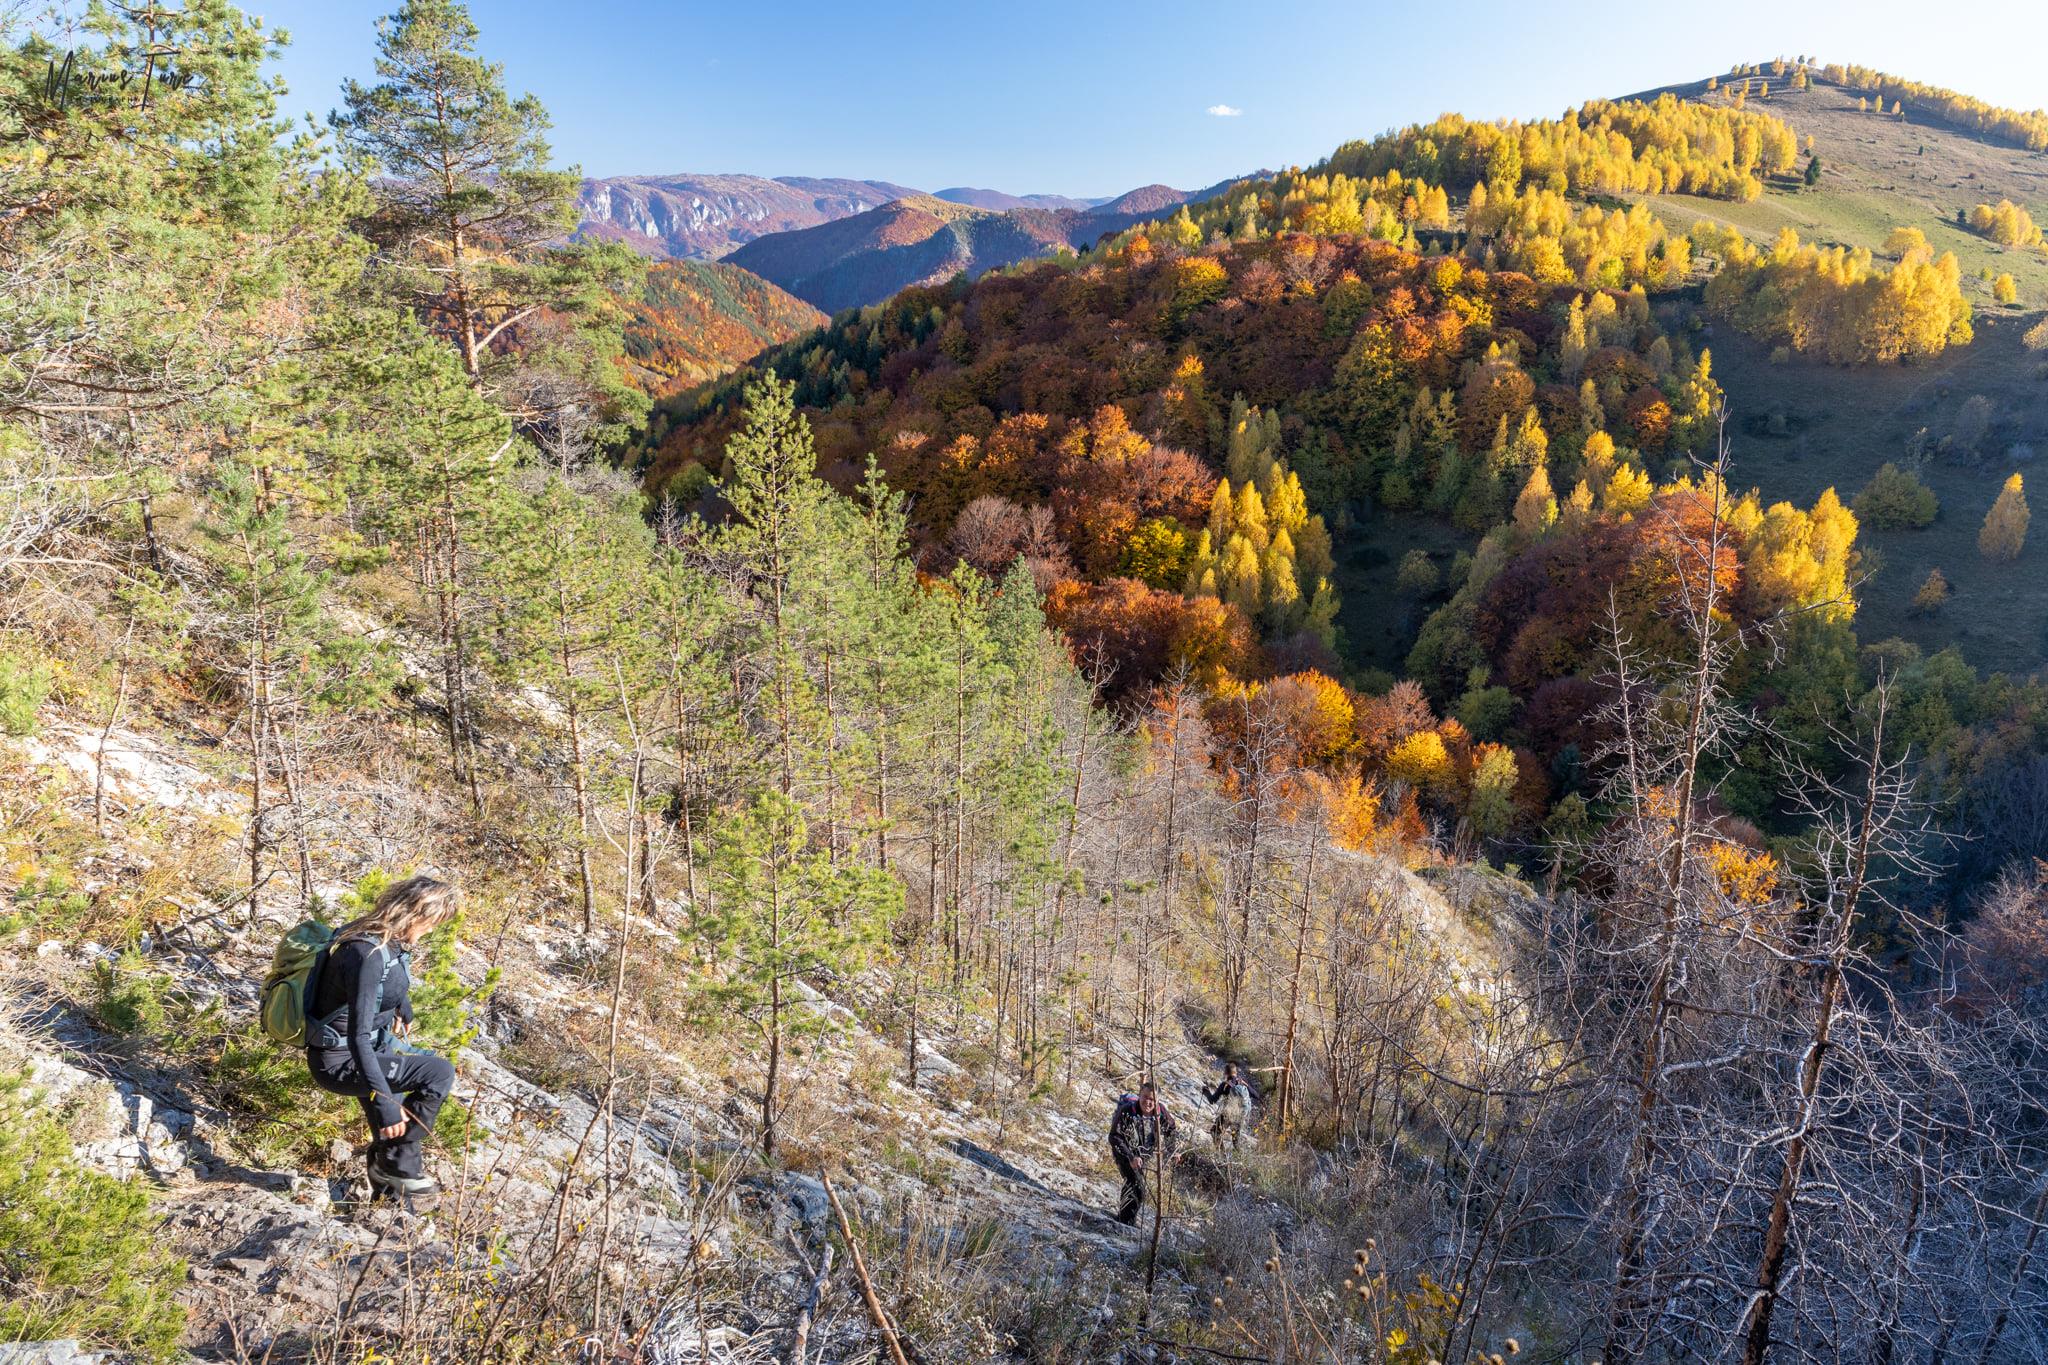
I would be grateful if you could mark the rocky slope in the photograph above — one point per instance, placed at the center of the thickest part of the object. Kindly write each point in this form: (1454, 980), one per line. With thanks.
(641, 1179)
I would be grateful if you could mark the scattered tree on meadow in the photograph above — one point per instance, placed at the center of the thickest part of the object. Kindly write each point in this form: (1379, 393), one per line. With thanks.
(1932, 595)
(1896, 499)
(2006, 223)
(2004, 533)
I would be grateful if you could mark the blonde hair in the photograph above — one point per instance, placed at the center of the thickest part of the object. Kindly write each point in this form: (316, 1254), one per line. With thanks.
(403, 908)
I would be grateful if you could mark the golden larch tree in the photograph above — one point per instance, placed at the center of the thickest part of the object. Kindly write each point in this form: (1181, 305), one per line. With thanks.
(2005, 526)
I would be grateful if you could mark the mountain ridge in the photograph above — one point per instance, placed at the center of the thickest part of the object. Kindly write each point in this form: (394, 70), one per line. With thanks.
(894, 246)
(706, 216)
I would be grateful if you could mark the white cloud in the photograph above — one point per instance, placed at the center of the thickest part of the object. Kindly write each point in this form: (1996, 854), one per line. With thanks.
(1225, 111)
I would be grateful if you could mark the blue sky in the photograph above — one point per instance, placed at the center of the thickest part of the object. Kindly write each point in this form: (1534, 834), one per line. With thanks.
(1094, 99)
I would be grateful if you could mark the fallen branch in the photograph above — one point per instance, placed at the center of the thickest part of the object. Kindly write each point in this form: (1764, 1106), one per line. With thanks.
(883, 1327)
(820, 1282)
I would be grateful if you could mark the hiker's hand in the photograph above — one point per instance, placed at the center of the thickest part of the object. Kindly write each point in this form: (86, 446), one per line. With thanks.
(396, 1130)
(401, 1028)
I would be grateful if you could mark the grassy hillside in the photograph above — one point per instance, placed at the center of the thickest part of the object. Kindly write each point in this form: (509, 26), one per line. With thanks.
(1802, 426)
(1881, 172)
(695, 320)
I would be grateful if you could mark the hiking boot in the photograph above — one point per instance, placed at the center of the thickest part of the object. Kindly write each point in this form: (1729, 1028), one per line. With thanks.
(406, 1188)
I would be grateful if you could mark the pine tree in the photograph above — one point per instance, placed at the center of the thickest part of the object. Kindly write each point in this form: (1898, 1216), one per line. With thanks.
(782, 912)
(471, 220)
(779, 513)
(567, 570)
(295, 663)
(2004, 533)
(425, 462)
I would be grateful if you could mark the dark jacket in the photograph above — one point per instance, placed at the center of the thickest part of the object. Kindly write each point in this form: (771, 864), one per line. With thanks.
(1134, 1134)
(363, 987)
(1232, 1094)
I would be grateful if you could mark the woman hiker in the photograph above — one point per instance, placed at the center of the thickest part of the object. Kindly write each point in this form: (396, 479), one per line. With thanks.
(361, 1009)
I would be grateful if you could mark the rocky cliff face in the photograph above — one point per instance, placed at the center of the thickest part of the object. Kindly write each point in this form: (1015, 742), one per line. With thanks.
(704, 217)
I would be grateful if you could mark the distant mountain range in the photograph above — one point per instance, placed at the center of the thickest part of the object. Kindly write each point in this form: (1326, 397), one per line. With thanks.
(869, 256)
(865, 257)
(997, 200)
(711, 217)
(703, 217)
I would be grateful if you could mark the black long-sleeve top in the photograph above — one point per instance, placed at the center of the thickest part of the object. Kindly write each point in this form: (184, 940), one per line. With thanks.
(362, 988)
(1134, 1134)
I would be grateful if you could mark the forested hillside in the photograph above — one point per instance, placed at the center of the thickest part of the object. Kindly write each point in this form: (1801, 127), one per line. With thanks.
(914, 240)
(862, 770)
(697, 320)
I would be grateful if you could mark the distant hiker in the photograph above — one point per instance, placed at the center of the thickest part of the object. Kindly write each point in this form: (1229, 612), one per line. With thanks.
(1233, 1101)
(358, 1012)
(1141, 1130)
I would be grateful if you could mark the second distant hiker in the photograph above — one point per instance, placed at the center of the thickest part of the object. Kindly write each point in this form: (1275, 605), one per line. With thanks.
(1233, 1100)
(358, 1013)
(1141, 1130)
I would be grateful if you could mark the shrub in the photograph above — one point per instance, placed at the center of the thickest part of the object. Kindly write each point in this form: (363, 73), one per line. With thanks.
(282, 1118)
(2004, 290)
(1896, 500)
(1418, 575)
(80, 1256)
(46, 901)
(131, 998)
(1973, 422)
(24, 685)
(2036, 337)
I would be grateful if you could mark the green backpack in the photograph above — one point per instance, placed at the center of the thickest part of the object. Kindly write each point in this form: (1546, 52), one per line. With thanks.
(294, 975)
